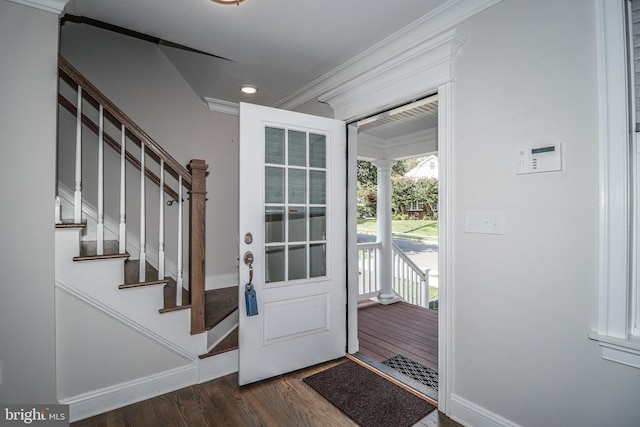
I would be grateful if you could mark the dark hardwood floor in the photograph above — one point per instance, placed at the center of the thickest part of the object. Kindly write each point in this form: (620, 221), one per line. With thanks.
(282, 401)
(400, 328)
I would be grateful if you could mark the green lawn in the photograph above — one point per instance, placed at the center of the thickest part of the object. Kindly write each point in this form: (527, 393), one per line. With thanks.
(410, 228)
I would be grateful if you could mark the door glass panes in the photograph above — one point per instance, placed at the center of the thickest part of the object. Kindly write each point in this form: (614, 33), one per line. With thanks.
(295, 176)
(274, 185)
(317, 151)
(318, 260)
(297, 224)
(297, 262)
(297, 186)
(317, 224)
(274, 264)
(274, 146)
(273, 224)
(297, 148)
(317, 187)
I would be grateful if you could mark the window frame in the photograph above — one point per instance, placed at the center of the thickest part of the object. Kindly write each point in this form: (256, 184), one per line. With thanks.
(616, 250)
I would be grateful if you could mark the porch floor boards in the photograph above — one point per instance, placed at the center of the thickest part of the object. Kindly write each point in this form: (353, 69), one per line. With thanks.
(399, 328)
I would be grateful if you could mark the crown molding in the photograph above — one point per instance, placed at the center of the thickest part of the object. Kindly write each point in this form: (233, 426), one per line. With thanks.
(53, 6)
(391, 54)
(222, 106)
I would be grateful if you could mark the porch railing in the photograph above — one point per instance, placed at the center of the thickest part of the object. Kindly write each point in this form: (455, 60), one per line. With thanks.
(410, 282)
(189, 180)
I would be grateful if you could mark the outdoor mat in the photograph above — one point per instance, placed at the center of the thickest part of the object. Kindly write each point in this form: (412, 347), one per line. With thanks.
(367, 398)
(415, 370)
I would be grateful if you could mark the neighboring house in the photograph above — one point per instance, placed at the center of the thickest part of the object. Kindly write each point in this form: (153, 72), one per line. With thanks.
(522, 304)
(427, 168)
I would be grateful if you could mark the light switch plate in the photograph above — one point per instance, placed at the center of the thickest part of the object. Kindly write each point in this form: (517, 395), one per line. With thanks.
(484, 222)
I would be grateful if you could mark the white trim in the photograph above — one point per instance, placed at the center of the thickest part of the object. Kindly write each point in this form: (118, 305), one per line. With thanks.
(614, 227)
(352, 239)
(625, 351)
(445, 243)
(217, 366)
(53, 6)
(96, 402)
(396, 78)
(89, 300)
(614, 173)
(427, 27)
(222, 106)
(468, 413)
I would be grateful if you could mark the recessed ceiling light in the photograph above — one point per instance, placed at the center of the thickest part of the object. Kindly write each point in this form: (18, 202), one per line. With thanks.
(248, 89)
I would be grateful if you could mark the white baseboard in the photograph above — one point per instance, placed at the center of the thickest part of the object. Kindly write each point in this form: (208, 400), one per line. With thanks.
(217, 366)
(99, 401)
(468, 413)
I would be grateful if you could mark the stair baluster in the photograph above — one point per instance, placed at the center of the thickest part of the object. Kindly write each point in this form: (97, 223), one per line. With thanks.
(143, 219)
(122, 232)
(77, 195)
(161, 225)
(179, 267)
(100, 225)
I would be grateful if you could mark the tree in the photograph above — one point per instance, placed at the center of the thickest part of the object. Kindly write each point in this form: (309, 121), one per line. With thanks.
(404, 191)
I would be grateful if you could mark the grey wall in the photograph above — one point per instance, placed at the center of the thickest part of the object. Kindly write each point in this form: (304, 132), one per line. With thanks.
(28, 57)
(525, 301)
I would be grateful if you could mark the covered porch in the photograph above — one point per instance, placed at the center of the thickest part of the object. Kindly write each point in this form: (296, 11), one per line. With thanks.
(385, 331)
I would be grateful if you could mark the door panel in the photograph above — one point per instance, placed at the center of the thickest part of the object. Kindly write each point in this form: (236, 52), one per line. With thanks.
(293, 202)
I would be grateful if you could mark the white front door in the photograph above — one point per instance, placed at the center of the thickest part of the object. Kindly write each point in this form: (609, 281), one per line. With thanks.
(293, 222)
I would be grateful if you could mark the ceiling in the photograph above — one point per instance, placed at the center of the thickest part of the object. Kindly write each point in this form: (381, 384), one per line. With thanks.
(280, 46)
(277, 45)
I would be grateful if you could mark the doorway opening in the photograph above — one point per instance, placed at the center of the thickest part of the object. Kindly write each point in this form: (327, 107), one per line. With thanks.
(397, 237)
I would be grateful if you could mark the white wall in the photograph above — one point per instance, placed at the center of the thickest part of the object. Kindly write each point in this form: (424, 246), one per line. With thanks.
(138, 77)
(96, 351)
(525, 301)
(28, 57)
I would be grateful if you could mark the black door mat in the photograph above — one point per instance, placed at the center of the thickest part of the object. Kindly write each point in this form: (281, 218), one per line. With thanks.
(367, 398)
(415, 370)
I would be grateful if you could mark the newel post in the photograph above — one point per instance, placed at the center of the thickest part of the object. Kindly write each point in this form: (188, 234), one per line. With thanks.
(198, 170)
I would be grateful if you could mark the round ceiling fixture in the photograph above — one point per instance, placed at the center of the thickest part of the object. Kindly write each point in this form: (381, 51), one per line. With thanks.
(228, 1)
(248, 89)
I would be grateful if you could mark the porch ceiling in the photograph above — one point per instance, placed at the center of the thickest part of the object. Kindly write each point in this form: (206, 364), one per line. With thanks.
(405, 134)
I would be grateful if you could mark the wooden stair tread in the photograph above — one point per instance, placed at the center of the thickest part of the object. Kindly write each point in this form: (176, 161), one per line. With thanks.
(69, 223)
(219, 304)
(229, 343)
(132, 278)
(170, 298)
(89, 251)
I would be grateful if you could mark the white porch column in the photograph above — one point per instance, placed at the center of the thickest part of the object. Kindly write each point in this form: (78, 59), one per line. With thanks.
(384, 276)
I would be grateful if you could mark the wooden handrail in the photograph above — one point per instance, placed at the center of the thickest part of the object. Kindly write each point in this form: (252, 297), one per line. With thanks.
(398, 251)
(93, 127)
(121, 117)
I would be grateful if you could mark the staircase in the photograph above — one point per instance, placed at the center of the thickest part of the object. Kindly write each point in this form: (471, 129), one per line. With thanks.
(120, 268)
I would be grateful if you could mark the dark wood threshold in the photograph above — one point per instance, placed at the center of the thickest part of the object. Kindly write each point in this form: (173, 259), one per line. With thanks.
(229, 343)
